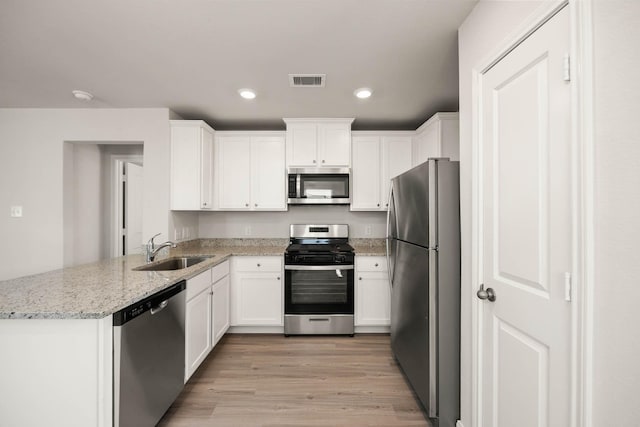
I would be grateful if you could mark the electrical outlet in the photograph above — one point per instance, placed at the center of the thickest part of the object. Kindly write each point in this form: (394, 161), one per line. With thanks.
(367, 230)
(16, 211)
(247, 230)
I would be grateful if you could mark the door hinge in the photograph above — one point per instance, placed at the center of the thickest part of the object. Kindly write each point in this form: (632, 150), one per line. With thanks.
(567, 286)
(566, 68)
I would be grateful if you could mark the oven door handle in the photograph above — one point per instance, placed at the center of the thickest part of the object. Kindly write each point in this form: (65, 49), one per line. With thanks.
(318, 267)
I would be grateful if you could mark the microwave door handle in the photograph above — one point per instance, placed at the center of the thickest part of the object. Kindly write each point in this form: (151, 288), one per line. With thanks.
(298, 186)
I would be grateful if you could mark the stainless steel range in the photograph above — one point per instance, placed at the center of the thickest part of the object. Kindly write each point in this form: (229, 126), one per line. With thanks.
(319, 282)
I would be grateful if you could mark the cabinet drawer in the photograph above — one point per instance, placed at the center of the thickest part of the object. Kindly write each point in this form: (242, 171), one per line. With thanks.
(198, 283)
(258, 264)
(219, 271)
(371, 263)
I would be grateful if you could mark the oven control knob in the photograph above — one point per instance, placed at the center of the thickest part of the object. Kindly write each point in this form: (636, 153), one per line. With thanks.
(340, 258)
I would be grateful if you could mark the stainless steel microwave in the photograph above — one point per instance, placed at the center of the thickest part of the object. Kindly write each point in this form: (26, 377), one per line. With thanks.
(318, 186)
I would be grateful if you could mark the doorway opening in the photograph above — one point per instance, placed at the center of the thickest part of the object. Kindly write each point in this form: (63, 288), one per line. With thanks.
(90, 193)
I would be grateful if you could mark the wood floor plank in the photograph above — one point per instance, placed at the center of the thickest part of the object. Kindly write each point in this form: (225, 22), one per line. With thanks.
(306, 381)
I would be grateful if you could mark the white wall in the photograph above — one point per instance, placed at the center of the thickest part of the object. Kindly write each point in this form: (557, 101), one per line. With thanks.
(31, 175)
(616, 351)
(276, 224)
(485, 29)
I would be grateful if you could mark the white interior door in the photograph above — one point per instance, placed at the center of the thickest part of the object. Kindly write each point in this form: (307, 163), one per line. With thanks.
(133, 208)
(526, 256)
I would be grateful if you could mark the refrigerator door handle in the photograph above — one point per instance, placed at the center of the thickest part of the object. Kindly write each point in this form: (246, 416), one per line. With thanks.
(432, 320)
(433, 289)
(390, 269)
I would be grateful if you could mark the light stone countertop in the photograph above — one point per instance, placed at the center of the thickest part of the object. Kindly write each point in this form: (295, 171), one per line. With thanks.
(97, 290)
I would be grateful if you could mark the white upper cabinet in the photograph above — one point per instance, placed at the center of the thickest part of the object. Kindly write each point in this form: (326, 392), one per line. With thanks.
(191, 165)
(437, 137)
(250, 171)
(377, 157)
(366, 173)
(318, 142)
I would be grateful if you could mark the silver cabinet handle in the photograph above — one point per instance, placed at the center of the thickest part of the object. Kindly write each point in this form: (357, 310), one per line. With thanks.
(246, 205)
(256, 205)
(323, 161)
(359, 278)
(376, 264)
(486, 294)
(258, 264)
(278, 278)
(314, 161)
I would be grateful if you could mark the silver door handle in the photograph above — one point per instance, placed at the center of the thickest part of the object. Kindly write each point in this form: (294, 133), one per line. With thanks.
(160, 307)
(489, 293)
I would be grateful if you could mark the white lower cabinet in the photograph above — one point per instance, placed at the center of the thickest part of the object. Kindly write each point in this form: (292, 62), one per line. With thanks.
(206, 314)
(372, 293)
(220, 315)
(256, 291)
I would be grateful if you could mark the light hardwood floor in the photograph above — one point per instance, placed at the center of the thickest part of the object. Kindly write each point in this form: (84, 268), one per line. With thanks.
(270, 380)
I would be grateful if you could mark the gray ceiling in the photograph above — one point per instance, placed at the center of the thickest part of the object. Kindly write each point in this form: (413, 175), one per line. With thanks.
(193, 55)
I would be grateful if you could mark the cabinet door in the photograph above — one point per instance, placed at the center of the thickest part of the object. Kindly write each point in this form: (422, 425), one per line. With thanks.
(373, 299)
(334, 144)
(268, 173)
(185, 167)
(197, 331)
(234, 172)
(366, 173)
(396, 159)
(301, 144)
(206, 168)
(259, 300)
(220, 316)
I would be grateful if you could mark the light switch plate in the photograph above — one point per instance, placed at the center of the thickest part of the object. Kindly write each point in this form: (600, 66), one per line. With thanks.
(16, 211)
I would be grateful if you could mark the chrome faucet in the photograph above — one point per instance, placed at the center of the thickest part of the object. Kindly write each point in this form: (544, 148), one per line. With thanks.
(152, 250)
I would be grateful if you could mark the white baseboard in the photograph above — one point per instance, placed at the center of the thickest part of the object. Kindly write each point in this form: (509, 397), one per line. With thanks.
(256, 330)
(459, 424)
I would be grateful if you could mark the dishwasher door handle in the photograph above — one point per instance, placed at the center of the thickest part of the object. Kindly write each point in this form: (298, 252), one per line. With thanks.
(160, 307)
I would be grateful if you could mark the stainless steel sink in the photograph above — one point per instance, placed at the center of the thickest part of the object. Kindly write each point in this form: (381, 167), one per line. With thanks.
(176, 263)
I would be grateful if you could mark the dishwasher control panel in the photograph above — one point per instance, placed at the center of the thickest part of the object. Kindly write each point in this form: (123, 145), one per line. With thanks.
(152, 302)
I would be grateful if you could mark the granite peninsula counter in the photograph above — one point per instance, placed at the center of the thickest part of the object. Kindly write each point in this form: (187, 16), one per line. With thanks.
(99, 289)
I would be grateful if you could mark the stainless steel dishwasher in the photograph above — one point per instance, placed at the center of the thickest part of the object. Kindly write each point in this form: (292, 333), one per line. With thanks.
(148, 357)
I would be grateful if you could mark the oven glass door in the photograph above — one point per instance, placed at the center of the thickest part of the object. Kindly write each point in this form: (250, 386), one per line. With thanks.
(318, 289)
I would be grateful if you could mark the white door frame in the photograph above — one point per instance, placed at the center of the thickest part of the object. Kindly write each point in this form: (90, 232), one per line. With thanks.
(582, 174)
(116, 163)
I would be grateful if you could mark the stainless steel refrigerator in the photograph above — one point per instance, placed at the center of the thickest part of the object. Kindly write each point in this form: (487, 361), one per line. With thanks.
(423, 252)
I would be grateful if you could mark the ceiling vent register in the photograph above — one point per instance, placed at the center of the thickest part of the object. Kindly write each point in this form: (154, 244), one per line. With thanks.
(307, 80)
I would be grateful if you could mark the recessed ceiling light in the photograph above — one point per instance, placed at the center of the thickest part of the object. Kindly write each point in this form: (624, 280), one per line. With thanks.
(247, 93)
(82, 95)
(363, 92)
